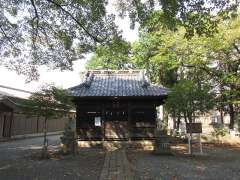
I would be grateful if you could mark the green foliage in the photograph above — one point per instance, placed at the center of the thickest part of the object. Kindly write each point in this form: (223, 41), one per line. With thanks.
(199, 17)
(51, 32)
(219, 131)
(57, 32)
(186, 99)
(49, 102)
(115, 55)
(169, 58)
(155, 53)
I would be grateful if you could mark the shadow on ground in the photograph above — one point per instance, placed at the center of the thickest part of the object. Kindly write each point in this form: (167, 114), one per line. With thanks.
(221, 163)
(87, 165)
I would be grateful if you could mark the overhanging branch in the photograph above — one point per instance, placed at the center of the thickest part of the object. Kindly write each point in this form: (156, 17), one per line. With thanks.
(73, 18)
(35, 29)
(36, 13)
(6, 36)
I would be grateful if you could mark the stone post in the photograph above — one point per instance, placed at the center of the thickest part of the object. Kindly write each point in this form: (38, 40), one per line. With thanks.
(162, 141)
(69, 138)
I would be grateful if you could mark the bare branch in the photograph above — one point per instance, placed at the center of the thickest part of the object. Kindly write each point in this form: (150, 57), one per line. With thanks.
(36, 13)
(35, 29)
(8, 38)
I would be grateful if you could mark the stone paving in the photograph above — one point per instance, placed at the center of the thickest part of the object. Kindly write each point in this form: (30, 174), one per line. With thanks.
(116, 166)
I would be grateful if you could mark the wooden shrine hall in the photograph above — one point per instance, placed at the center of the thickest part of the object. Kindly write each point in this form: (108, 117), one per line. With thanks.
(116, 105)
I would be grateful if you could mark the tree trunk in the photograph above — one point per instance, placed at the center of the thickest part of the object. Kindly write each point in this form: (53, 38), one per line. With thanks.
(178, 122)
(45, 141)
(221, 115)
(174, 122)
(191, 149)
(185, 118)
(232, 116)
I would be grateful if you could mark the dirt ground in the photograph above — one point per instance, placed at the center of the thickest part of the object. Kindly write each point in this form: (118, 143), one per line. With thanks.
(217, 163)
(85, 166)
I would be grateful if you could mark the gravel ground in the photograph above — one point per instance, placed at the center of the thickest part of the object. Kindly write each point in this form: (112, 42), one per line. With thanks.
(86, 166)
(217, 163)
(19, 161)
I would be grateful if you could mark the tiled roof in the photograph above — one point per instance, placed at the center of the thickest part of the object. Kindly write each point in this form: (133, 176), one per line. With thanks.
(116, 83)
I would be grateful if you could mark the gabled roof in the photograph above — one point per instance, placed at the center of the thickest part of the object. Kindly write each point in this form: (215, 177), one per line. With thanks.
(110, 83)
(11, 101)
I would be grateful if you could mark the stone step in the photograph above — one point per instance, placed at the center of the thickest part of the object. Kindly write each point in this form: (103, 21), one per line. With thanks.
(113, 145)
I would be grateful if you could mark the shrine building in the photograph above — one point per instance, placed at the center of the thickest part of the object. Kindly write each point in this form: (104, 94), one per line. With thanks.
(116, 105)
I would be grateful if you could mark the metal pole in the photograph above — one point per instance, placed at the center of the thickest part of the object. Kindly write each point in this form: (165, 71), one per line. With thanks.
(189, 145)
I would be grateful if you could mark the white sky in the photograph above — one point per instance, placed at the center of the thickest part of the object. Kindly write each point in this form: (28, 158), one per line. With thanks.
(63, 79)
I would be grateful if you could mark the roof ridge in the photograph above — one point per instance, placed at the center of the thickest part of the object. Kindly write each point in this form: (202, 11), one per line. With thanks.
(88, 79)
(115, 72)
(145, 80)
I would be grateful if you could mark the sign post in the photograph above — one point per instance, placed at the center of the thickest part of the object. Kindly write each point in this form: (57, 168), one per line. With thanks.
(189, 145)
(194, 128)
(200, 143)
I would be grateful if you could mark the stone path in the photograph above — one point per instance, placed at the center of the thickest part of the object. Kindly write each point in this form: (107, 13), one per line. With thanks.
(116, 166)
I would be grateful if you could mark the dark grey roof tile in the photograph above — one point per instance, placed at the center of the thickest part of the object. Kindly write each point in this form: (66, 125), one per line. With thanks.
(116, 83)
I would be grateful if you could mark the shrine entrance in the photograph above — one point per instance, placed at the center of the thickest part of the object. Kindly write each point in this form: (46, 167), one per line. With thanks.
(116, 122)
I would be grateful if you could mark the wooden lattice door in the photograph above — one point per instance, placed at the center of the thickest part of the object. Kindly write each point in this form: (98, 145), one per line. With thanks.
(116, 130)
(116, 124)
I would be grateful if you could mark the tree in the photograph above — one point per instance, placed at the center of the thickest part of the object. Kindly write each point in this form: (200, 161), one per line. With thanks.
(225, 47)
(51, 32)
(49, 102)
(169, 57)
(115, 55)
(188, 100)
(199, 17)
(155, 52)
(57, 32)
(217, 58)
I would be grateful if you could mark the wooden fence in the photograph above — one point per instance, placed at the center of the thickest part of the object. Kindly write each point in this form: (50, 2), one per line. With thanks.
(13, 124)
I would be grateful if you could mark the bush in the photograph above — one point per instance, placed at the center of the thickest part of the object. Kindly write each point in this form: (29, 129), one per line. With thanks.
(219, 131)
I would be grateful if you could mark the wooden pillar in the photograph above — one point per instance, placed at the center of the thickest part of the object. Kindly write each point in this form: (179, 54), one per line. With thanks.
(129, 119)
(103, 118)
(37, 124)
(10, 126)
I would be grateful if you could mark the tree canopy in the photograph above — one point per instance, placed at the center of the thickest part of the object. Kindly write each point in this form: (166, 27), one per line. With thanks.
(115, 55)
(51, 32)
(188, 100)
(57, 32)
(170, 58)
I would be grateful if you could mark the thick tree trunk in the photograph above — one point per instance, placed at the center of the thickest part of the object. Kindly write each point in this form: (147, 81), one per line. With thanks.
(185, 118)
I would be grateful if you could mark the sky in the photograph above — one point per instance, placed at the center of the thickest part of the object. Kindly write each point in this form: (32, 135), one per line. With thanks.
(63, 79)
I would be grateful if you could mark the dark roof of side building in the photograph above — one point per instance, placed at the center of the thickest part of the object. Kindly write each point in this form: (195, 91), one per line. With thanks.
(10, 100)
(16, 103)
(113, 83)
